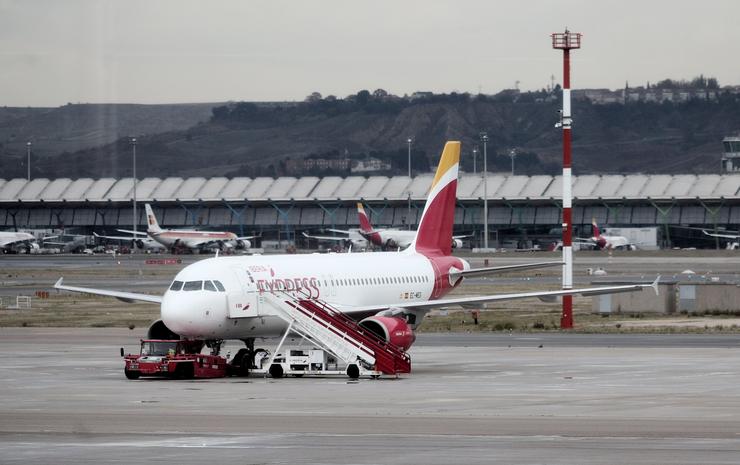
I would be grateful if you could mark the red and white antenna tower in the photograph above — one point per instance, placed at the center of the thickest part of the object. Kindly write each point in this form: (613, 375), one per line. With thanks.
(566, 41)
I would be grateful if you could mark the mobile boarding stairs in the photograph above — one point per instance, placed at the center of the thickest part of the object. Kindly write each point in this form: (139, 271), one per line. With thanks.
(363, 352)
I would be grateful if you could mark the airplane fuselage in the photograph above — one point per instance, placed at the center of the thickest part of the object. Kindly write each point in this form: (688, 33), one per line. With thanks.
(348, 282)
(194, 239)
(611, 242)
(390, 237)
(11, 241)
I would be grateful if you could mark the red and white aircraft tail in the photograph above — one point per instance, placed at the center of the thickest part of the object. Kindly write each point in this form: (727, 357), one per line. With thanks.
(365, 225)
(595, 229)
(435, 227)
(151, 220)
(434, 235)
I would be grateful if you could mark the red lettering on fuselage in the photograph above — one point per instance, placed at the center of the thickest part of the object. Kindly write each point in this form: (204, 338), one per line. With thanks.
(302, 287)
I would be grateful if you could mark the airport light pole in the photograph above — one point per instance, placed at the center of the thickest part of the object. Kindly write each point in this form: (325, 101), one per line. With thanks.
(133, 149)
(475, 159)
(512, 154)
(28, 155)
(484, 138)
(566, 41)
(409, 140)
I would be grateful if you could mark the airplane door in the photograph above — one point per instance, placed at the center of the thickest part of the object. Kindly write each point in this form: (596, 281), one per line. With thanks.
(246, 300)
(330, 286)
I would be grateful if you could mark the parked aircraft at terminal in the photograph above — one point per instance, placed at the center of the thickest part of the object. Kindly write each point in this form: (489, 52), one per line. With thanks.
(351, 236)
(144, 243)
(733, 238)
(13, 242)
(607, 242)
(390, 292)
(392, 238)
(189, 238)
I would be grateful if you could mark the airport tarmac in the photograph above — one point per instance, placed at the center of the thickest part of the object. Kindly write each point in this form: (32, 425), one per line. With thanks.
(471, 398)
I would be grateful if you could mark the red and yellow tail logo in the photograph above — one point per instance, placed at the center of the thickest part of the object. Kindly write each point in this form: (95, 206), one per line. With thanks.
(151, 220)
(365, 225)
(434, 236)
(596, 231)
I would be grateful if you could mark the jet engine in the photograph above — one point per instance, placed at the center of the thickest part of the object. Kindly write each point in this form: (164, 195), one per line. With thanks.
(139, 243)
(457, 244)
(390, 244)
(390, 329)
(243, 244)
(158, 330)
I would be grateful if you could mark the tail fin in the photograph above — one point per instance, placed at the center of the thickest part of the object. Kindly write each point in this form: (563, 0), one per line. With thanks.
(434, 236)
(151, 220)
(365, 225)
(596, 232)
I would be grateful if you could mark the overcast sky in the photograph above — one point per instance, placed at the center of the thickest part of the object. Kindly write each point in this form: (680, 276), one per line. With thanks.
(149, 51)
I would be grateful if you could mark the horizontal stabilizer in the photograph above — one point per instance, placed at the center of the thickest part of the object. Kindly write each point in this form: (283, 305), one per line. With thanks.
(128, 231)
(500, 269)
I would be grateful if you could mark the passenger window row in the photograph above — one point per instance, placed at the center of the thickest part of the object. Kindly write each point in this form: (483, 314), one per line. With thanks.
(377, 281)
(213, 286)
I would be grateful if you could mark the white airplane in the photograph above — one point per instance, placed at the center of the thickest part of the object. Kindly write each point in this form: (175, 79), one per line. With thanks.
(734, 239)
(144, 243)
(601, 241)
(14, 242)
(353, 237)
(234, 297)
(392, 238)
(190, 238)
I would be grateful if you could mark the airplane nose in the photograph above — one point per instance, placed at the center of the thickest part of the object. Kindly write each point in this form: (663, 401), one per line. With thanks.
(174, 312)
(196, 314)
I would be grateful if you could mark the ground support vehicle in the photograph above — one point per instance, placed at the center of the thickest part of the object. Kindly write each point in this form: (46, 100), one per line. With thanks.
(300, 361)
(174, 359)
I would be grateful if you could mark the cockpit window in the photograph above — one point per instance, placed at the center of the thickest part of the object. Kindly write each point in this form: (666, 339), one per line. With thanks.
(208, 286)
(219, 286)
(193, 286)
(176, 285)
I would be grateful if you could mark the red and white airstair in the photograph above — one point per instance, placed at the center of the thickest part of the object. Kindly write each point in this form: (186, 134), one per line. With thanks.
(334, 332)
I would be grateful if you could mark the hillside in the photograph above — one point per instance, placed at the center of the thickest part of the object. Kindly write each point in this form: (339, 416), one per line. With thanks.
(71, 128)
(248, 139)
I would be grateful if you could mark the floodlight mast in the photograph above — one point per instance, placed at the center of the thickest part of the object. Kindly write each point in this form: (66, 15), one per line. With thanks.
(133, 148)
(567, 41)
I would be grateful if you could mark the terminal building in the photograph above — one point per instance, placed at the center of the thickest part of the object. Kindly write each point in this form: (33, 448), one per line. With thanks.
(522, 209)
(731, 155)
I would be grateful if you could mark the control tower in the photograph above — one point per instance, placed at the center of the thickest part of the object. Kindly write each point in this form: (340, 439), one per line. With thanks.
(731, 155)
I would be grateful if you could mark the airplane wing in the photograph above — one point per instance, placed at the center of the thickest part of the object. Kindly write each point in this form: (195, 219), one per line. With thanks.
(13, 242)
(245, 238)
(341, 231)
(501, 269)
(724, 236)
(324, 238)
(462, 236)
(467, 301)
(127, 231)
(117, 238)
(128, 297)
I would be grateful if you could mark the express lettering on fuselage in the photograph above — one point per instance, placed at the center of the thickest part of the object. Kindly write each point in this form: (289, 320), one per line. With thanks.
(308, 286)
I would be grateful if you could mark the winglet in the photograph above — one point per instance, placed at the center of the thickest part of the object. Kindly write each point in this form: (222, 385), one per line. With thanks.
(654, 285)
(58, 283)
